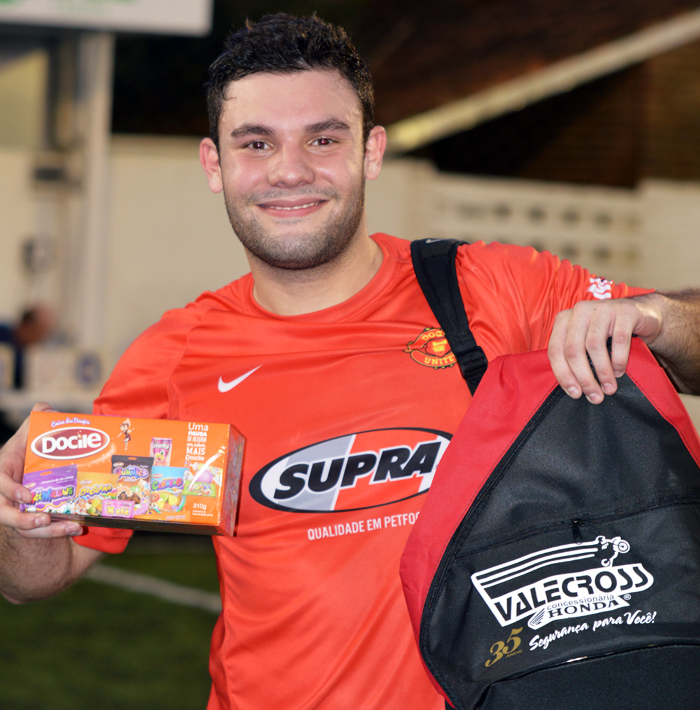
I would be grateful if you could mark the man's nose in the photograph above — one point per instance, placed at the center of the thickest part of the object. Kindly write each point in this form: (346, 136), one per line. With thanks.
(290, 166)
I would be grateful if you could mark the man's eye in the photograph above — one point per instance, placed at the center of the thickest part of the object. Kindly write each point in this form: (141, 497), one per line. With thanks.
(257, 145)
(324, 141)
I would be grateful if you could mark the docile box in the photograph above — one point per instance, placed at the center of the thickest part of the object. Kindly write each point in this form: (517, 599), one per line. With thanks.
(142, 474)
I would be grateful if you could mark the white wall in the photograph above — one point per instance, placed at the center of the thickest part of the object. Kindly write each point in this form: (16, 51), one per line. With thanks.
(646, 237)
(23, 211)
(671, 217)
(169, 238)
(23, 99)
(399, 202)
(17, 219)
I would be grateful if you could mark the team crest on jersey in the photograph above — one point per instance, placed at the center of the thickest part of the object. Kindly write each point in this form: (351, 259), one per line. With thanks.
(600, 288)
(431, 349)
(354, 472)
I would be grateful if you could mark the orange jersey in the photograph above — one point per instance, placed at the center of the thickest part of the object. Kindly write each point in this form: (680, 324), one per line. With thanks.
(346, 413)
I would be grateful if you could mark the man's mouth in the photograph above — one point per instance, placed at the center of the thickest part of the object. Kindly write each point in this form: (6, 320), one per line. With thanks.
(292, 208)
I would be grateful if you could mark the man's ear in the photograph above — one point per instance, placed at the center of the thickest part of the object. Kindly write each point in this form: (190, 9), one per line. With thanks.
(374, 152)
(209, 158)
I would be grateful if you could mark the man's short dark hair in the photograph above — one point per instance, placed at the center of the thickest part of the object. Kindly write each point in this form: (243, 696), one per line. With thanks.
(285, 44)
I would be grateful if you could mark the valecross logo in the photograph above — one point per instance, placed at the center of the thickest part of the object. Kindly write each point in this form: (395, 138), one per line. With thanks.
(70, 443)
(363, 470)
(526, 587)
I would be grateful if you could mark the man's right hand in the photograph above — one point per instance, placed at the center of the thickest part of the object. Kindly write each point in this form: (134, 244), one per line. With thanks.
(12, 492)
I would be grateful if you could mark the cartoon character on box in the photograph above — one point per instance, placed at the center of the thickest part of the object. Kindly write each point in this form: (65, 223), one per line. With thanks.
(125, 430)
(81, 506)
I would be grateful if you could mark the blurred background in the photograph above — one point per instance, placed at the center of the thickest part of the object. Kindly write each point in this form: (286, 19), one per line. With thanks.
(569, 125)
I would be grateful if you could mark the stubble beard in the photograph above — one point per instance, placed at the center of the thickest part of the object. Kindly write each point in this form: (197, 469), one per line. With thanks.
(299, 251)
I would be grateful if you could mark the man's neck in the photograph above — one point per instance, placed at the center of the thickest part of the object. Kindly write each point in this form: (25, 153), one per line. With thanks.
(292, 293)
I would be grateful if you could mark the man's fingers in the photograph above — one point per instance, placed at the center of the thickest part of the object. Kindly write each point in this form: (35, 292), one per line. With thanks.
(36, 525)
(580, 340)
(578, 348)
(12, 492)
(601, 376)
(12, 453)
(621, 339)
(25, 522)
(21, 433)
(609, 345)
(584, 375)
(568, 353)
(59, 528)
(557, 358)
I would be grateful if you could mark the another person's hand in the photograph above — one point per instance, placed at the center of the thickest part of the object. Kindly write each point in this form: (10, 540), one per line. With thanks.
(12, 492)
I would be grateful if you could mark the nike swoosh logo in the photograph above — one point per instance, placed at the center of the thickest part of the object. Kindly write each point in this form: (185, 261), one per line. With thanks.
(227, 386)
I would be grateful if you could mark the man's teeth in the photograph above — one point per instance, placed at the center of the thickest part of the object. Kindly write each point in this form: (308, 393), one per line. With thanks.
(297, 207)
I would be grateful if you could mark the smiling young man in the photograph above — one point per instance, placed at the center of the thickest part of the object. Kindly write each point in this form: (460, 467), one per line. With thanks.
(324, 356)
(292, 161)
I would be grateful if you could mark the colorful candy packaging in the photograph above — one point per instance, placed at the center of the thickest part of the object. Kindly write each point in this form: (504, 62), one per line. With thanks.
(166, 486)
(160, 450)
(144, 474)
(133, 481)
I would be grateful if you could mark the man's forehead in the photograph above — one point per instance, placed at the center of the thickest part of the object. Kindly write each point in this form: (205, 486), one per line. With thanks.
(328, 86)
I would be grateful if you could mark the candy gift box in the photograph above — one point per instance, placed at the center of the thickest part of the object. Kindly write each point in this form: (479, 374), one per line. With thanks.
(143, 474)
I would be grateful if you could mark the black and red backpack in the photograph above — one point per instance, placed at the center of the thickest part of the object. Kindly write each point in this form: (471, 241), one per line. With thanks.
(556, 561)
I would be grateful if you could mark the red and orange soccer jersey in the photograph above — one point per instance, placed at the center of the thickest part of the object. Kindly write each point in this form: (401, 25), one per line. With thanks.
(346, 413)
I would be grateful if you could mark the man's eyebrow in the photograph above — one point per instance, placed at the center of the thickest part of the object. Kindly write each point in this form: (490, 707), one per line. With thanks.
(332, 124)
(254, 129)
(250, 129)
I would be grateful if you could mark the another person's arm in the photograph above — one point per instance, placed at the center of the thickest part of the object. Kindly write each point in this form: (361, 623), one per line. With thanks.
(38, 558)
(669, 323)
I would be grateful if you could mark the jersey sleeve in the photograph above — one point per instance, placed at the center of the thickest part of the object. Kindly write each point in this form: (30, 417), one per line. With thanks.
(519, 291)
(139, 387)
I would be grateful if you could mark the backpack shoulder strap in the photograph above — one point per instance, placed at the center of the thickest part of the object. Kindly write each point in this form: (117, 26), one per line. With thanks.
(436, 271)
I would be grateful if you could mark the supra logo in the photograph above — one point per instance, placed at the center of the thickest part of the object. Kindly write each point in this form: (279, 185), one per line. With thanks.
(519, 589)
(353, 472)
(70, 443)
(431, 349)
